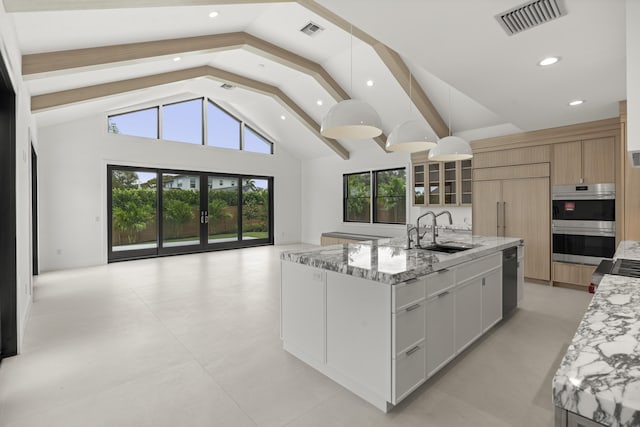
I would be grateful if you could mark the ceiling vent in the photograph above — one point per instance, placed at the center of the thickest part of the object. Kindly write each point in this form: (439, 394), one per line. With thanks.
(530, 15)
(227, 86)
(312, 29)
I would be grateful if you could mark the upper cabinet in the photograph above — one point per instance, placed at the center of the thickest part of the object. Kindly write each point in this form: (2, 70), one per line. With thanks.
(440, 183)
(584, 162)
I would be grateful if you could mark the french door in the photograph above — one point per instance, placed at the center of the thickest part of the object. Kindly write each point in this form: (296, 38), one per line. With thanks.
(154, 212)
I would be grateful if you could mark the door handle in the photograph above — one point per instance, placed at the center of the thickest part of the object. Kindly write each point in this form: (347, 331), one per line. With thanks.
(204, 217)
(504, 219)
(497, 218)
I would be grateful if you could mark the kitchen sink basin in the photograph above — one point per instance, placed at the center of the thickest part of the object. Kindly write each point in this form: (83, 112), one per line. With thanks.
(449, 248)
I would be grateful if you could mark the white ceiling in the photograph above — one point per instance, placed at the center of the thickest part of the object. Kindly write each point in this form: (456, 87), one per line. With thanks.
(492, 79)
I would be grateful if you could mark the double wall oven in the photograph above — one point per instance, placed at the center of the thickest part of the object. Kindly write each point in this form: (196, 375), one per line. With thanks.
(584, 228)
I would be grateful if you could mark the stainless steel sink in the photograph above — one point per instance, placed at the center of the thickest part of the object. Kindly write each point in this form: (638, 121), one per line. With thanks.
(449, 248)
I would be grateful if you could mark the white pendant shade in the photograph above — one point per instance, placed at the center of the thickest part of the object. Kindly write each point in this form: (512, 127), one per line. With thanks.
(411, 136)
(351, 119)
(451, 148)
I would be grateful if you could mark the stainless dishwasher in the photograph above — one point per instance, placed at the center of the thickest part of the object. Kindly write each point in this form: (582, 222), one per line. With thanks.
(509, 280)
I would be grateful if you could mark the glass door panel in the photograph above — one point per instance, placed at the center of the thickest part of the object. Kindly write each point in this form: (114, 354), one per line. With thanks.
(180, 210)
(222, 208)
(255, 209)
(450, 183)
(466, 178)
(133, 211)
(434, 184)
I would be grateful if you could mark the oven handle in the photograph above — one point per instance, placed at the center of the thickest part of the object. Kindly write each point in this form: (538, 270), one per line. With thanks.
(583, 232)
(601, 196)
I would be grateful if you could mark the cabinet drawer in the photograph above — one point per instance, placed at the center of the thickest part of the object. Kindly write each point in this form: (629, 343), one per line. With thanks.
(409, 371)
(478, 267)
(408, 327)
(439, 281)
(407, 293)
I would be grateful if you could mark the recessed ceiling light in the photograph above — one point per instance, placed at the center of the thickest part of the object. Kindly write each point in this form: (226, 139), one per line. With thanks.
(282, 117)
(576, 102)
(319, 102)
(369, 83)
(549, 61)
(214, 14)
(176, 59)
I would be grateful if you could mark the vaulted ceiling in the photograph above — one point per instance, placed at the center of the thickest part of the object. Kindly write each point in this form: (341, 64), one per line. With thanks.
(84, 57)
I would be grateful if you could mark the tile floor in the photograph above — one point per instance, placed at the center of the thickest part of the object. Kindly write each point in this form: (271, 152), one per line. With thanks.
(193, 340)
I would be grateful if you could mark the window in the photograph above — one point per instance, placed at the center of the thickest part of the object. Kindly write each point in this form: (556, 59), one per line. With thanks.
(256, 143)
(387, 201)
(223, 130)
(182, 122)
(357, 200)
(390, 196)
(142, 123)
(192, 183)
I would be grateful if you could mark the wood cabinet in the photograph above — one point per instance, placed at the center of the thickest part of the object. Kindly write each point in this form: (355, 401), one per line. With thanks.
(440, 183)
(518, 207)
(588, 161)
(574, 274)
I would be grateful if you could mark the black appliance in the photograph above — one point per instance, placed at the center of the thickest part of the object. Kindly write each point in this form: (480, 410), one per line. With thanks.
(621, 267)
(509, 280)
(584, 227)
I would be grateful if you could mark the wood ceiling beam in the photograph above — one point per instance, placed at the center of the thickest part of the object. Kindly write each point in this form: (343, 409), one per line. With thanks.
(393, 61)
(56, 99)
(57, 5)
(42, 64)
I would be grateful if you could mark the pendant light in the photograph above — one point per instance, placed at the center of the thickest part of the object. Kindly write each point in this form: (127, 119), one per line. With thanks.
(351, 119)
(411, 136)
(451, 148)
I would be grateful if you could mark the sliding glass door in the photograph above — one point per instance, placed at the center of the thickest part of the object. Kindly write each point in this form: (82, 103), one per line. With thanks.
(156, 212)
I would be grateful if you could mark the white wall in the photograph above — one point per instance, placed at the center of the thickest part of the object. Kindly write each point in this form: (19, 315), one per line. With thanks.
(322, 193)
(633, 70)
(24, 129)
(73, 165)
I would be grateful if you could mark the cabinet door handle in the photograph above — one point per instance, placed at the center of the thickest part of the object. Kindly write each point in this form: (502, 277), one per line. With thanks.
(444, 270)
(497, 218)
(412, 307)
(443, 294)
(413, 350)
(504, 219)
(483, 283)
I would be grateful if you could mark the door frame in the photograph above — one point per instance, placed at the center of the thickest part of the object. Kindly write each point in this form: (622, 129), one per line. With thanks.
(8, 259)
(34, 213)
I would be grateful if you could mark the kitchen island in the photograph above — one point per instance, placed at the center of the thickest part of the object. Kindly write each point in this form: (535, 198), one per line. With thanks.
(380, 319)
(598, 381)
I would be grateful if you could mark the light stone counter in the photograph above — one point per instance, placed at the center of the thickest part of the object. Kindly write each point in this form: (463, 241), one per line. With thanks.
(386, 260)
(599, 377)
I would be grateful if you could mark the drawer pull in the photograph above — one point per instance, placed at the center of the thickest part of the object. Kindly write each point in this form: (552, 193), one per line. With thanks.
(413, 350)
(412, 307)
(443, 294)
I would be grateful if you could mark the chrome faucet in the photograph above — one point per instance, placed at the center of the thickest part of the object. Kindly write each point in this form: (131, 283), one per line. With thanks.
(435, 229)
(411, 228)
(434, 226)
(418, 236)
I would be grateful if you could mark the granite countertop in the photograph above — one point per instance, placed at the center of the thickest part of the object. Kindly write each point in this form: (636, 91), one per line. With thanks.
(386, 260)
(599, 377)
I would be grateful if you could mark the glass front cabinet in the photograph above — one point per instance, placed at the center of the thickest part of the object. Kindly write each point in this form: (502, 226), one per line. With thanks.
(440, 183)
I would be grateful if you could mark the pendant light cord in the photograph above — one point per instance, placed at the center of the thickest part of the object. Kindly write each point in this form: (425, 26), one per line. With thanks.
(450, 104)
(410, 92)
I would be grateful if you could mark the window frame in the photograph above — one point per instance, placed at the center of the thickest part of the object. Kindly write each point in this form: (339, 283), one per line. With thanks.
(204, 125)
(373, 196)
(158, 125)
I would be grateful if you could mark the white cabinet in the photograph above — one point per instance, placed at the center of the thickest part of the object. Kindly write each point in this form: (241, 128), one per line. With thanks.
(408, 330)
(359, 334)
(468, 312)
(491, 299)
(303, 310)
(440, 330)
(520, 273)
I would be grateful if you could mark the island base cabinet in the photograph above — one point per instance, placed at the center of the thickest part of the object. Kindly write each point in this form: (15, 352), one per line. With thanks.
(491, 299)
(468, 323)
(440, 331)
(358, 336)
(409, 371)
(303, 311)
